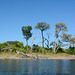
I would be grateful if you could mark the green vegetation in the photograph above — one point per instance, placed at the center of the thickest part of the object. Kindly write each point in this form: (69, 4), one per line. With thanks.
(55, 47)
(27, 33)
(42, 26)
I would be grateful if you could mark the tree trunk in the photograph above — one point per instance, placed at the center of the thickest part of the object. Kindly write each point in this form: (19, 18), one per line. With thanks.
(48, 41)
(55, 46)
(42, 41)
(27, 45)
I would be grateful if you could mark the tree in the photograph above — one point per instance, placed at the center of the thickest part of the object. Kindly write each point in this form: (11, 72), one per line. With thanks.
(26, 30)
(34, 37)
(72, 41)
(42, 26)
(59, 27)
(68, 38)
(47, 40)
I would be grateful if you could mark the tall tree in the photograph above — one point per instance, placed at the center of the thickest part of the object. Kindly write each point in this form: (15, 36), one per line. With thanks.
(42, 26)
(59, 27)
(26, 30)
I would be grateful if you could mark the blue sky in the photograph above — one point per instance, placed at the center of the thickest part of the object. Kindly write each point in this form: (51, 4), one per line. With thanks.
(17, 13)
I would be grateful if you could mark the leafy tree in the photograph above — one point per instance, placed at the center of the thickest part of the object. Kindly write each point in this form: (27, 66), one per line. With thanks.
(26, 30)
(68, 38)
(42, 26)
(59, 27)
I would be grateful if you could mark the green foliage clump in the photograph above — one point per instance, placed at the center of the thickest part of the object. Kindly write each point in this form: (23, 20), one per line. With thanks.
(22, 50)
(35, 48)
(60, 50)
(14, 48)
(3, 45)
(70, 50)
(19, 45)
(40, 50)
(12, 42)
(25, 48)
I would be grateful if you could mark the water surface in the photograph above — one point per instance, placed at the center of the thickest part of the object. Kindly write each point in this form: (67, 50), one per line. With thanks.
(37, 67)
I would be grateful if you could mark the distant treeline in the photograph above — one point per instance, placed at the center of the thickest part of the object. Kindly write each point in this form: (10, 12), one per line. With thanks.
(55, 46)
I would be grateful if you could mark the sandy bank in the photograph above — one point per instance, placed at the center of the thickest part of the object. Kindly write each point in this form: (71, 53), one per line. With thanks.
(14, 56)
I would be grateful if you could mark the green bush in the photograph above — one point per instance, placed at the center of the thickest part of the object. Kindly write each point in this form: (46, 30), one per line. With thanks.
(70, 50)
(22, 50)
(35, 48)
(29, 48)
(60, 50)
(4, 45)
(14, 48)
(40, 50)
(6, 50)
(19, 45)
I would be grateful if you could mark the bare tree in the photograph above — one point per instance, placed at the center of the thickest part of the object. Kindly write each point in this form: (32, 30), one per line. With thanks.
(47, 39)
(34, 37)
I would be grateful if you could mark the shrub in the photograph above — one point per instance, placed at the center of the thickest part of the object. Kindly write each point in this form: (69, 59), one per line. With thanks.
(14, 48)
(70, 50)
(22, 50)
(19, 45)
(35, 48)
(60, 50)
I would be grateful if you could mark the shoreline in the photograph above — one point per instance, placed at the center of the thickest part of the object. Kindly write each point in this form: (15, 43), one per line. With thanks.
(56, 57)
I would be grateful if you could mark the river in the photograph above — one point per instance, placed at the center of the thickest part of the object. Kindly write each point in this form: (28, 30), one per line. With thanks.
(37, 67)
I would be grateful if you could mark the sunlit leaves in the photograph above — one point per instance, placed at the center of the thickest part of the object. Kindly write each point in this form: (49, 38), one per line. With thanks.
(27, 32)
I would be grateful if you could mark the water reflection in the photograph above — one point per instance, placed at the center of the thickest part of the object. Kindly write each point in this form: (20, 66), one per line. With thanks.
(37, 67)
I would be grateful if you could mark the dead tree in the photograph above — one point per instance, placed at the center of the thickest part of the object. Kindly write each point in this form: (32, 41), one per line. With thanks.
(34, 37)
(47, 39)
(8, 48)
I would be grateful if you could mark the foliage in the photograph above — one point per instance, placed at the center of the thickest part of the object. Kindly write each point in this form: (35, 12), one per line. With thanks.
(12, 42)
(22, 50)
(66, 37)
(70, 50)
(35, 48)
(42, 26)
(72, 41)
(19, 45)
(59, 27)
(26, 30)
(60, 50)
(5, 44)
(57, 44)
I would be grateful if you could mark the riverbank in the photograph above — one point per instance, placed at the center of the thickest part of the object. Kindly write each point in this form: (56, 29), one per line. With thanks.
(38, 56)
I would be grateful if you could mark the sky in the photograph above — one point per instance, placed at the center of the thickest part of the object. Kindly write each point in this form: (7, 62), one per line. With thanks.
(17, 13)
